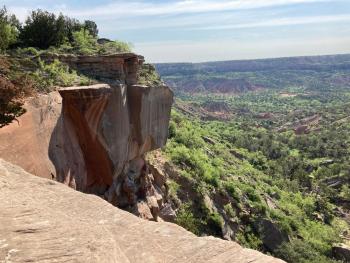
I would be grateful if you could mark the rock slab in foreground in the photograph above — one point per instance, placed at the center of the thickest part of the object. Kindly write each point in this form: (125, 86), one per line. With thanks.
(42, 220)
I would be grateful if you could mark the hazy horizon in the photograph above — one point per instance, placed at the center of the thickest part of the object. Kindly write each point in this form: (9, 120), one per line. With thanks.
(248, 59)
(201, 31)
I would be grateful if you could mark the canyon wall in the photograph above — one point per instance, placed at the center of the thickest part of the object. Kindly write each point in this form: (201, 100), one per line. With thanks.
(93, 138)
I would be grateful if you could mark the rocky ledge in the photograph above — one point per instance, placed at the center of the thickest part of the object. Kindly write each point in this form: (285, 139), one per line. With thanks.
(94, 139)
(42, 220)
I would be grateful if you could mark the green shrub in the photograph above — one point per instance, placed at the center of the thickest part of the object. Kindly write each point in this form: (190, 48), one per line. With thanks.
(84, 43)
(249, 240)
(345, 192)
(28, 51)
(189, 137)
(251, 193)
(56, 74)
(172, 129)
(173, 187)
(186, 219)
(15, 85)
(148, 76)
(214, 221)
(299, 251)
(229, 210)
(112, 47)
(233, 190)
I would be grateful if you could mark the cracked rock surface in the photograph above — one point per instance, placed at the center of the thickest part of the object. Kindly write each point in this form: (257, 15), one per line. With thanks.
(45, 221)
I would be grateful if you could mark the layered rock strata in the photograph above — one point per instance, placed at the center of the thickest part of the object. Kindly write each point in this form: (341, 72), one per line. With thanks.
(118, 68)
(44, 221)
(93, 138)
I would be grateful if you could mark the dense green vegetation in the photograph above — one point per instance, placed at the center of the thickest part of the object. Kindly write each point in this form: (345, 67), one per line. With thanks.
(258, 164)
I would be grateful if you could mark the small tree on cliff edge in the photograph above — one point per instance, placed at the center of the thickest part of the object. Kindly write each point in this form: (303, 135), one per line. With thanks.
(91, 27)
(42, 30)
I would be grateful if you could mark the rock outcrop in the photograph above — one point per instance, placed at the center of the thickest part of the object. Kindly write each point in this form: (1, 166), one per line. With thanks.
(42, 220)
(93, 138)
(273, 237)
(118, 68)
(341, 252)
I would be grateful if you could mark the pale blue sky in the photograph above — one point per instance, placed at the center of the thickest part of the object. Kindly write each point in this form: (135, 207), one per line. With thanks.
(193, 30)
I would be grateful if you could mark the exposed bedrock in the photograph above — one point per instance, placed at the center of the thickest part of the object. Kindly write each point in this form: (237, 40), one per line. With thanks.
(118, 68)
(114, 127)
(43, 221)
(93, 138)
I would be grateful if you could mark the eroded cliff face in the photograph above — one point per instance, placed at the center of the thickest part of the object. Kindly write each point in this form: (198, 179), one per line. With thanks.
(118, 68)
(114, 126)
(94, 138)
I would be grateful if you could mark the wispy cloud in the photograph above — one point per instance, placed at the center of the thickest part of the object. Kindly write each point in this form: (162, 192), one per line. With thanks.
(290, 21)
(144, 8)
(223, 23)
(182, 7)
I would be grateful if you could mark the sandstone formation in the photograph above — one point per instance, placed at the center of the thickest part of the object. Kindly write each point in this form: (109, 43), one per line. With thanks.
(45, 221)
(93, 138)
(118, 68)
(25, 142)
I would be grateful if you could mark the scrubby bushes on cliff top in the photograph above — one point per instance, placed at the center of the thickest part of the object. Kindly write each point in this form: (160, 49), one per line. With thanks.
(46, 31)
(22, 77)
(57, 74)
(13, 88)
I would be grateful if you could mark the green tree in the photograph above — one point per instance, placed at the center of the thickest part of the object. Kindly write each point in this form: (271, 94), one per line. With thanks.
(71, 25)
(91, 27)
(8, 29)
(40, 30)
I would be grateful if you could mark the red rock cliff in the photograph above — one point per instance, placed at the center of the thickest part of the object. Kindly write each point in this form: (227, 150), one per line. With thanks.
(93, 138)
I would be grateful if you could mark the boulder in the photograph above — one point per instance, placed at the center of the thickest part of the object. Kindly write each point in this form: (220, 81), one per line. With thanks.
(158, 175)
(142, 210)
(167, 213)
(341, 252)
(272, 235)
(45, 221)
